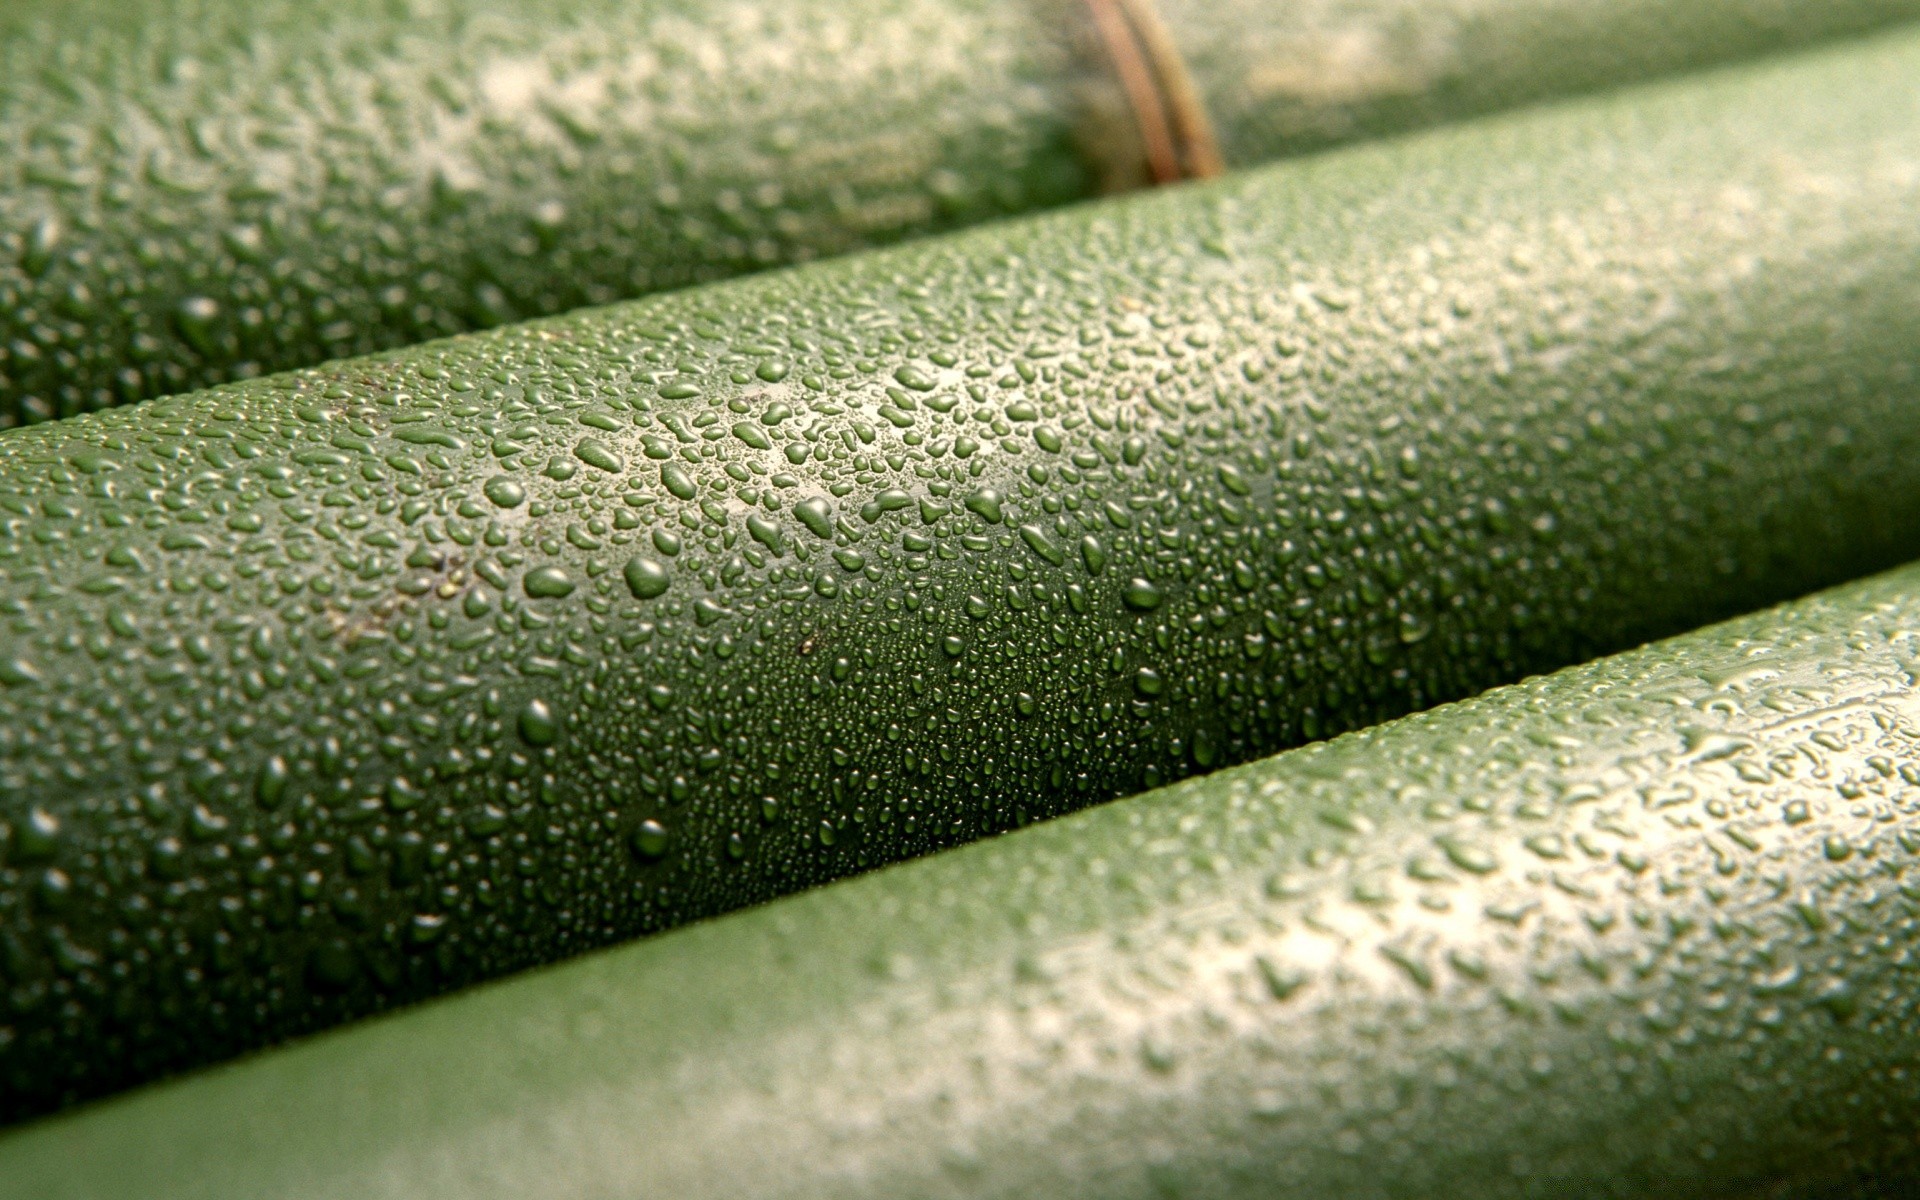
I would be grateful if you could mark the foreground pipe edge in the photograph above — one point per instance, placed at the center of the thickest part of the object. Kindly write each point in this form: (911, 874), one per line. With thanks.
(1645, 928)
(193, 191)
(340, 689)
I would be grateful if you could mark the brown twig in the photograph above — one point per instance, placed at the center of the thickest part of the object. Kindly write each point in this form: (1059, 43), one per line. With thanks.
(1176, 136)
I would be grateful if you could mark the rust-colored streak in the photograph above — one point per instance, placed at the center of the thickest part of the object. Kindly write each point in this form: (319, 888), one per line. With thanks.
(1137, 80)
(1176, 136)
(1200, 149)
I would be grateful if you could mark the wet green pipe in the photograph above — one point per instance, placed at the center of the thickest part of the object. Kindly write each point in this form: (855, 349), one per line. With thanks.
(1647, 928)
(194, 191)
(343, 688)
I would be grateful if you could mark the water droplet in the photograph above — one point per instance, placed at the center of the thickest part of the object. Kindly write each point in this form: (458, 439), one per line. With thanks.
(650, 839)
(646, 578)
(1093, 554)
(1467, 857)
(1142, 595)
(987, 504)
(402, 795)
(36, 838)
(1838, 997)
(1037, 541)
(767, 534)
(548, 583)
(168, 859)
(270, 785)
(55, 889)
(505, 491)
(40, 244)
(883, 502)
(1413, 628)
(195, 318)
(538, 725)
(913, 377)
(817, 515)
(1158, 1054)
(1205, 748)
(1282, 981)
(676, 480)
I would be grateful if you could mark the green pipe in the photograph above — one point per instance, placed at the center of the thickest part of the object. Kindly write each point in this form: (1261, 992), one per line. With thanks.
(334, 690)
(1648, 928)
(194, 191)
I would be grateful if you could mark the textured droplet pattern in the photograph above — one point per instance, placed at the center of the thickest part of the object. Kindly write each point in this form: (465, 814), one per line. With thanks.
(330, 690)
(199, 191)
(1430, 959)
(193, 192)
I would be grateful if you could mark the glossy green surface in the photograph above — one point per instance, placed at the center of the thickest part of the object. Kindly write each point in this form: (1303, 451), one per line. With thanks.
(342, 688)
(1280, 78)
(1646, 928)
(193, 191)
